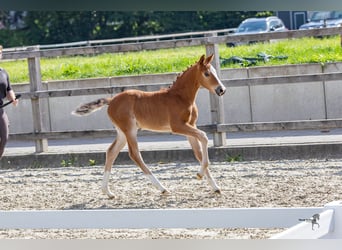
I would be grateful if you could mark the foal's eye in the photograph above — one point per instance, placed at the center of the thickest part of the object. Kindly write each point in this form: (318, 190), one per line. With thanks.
(206, 73)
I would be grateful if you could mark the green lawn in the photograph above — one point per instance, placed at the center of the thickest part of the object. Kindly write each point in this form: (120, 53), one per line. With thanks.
(297, 51)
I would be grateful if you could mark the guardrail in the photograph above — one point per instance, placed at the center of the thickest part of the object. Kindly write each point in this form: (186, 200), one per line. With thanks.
(210, 41)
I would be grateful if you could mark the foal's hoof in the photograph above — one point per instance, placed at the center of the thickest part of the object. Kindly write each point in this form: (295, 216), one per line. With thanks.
(217, 191)
(108, 193)
(110, 196)
(165, 192)
(199, 176)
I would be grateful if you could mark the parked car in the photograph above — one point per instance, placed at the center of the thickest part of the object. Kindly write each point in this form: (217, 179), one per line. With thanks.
(258, 25)
(321, 19)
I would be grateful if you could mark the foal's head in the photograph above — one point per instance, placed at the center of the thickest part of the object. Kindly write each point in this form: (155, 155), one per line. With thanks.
(208, 77)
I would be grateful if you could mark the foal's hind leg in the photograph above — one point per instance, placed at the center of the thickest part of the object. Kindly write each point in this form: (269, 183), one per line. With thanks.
(137, 158)
(111, 154)
(196, 147)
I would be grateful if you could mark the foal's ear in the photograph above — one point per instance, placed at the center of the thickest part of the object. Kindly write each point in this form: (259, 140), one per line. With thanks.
(201, 60)
(209, 59)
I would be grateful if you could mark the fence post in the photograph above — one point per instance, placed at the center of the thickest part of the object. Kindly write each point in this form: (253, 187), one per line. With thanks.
(216, 102)
(37, 104)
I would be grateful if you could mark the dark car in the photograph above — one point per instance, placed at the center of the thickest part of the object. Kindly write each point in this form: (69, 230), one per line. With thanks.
(322, 19)
(258, 25)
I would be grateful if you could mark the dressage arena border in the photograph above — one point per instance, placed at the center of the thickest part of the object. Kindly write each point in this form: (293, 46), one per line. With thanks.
(328, 225)
(330, 215)
(317, 150)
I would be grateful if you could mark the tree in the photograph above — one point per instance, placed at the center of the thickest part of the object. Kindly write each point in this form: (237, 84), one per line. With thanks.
(50, 27)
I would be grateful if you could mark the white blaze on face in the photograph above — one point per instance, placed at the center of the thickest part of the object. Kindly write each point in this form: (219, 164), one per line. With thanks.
(214, 73)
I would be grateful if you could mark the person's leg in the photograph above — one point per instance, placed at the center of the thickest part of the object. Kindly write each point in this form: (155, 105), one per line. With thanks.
(3, 131)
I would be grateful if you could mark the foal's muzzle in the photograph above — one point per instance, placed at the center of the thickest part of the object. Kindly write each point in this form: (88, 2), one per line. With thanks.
(220, 90)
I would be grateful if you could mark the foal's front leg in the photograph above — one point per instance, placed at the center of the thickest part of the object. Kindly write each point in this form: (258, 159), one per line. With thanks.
(199, 143)
(196, 147)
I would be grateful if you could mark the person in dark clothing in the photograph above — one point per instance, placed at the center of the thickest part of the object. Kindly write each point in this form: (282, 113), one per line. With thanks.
(5, 91)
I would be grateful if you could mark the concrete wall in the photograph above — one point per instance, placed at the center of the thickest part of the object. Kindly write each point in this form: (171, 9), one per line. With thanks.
(283, 102)
(333, 91)
(266, 103)
(287, 102)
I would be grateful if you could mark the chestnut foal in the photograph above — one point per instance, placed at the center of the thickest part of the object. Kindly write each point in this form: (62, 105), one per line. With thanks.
(167, 110)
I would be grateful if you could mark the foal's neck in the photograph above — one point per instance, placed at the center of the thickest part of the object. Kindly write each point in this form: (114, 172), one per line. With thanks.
(186, 86)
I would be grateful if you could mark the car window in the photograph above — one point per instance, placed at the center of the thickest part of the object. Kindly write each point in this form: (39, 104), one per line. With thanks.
(336, 14)
(253, 26)
(320, 15)
(274, 23)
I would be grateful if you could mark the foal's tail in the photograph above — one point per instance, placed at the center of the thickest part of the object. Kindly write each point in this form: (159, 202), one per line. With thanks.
(90, 107)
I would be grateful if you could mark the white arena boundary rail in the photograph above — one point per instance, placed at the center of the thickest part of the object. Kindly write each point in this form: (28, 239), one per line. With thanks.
(328, 226)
